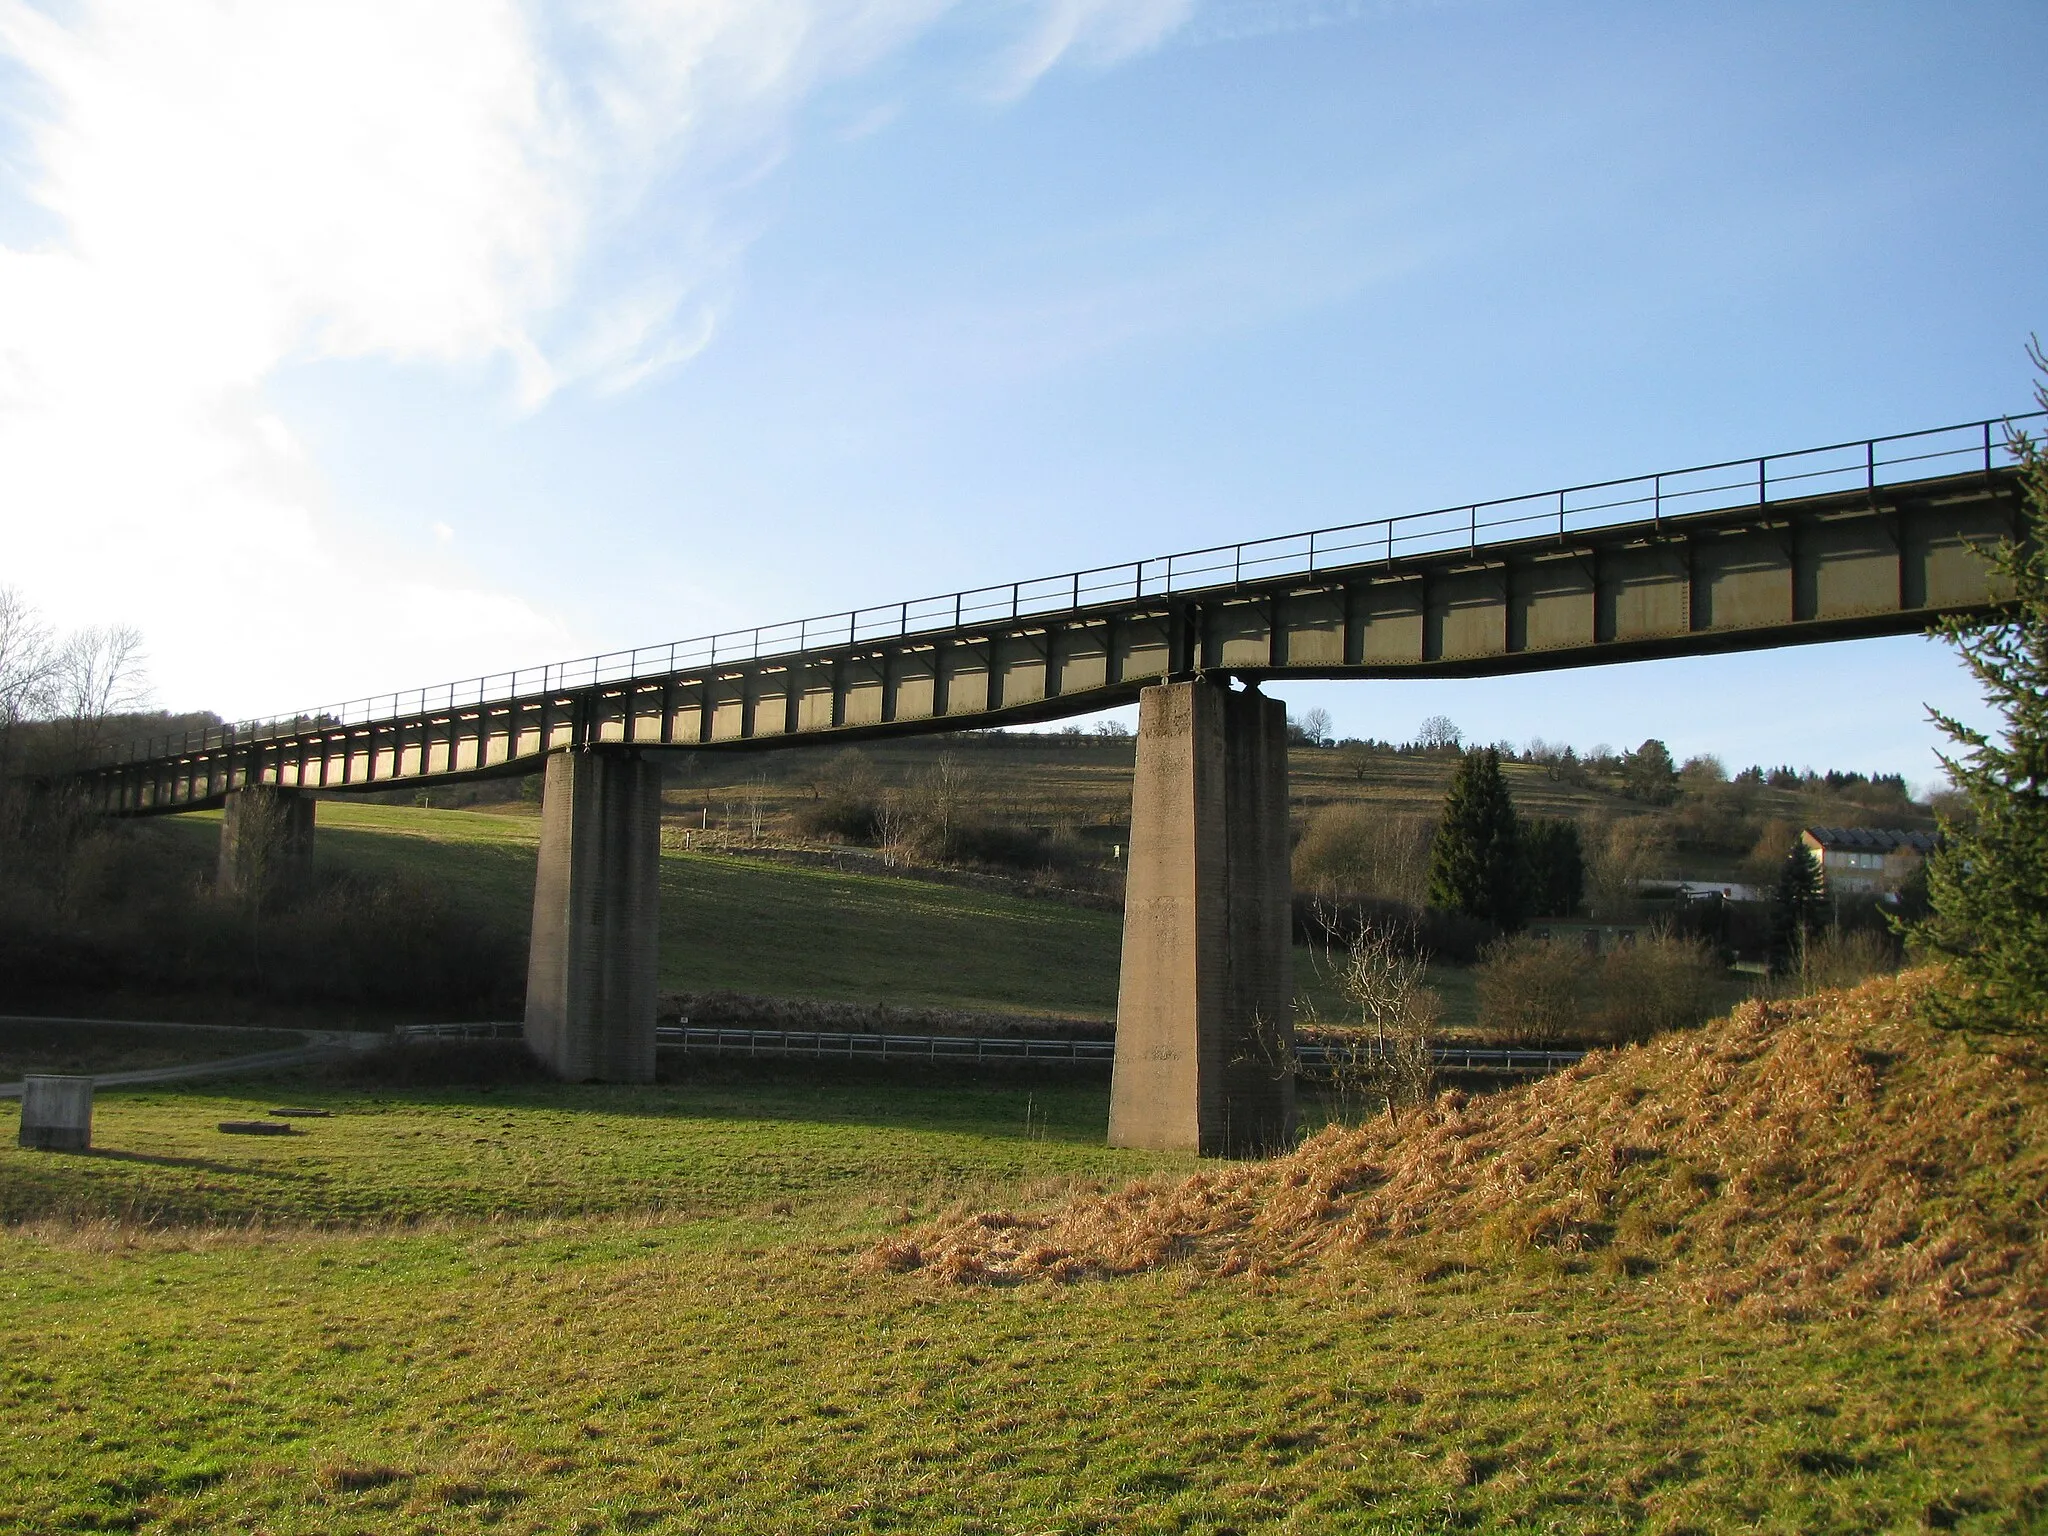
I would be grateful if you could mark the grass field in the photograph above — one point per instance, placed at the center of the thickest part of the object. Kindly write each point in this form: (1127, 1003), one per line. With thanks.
(605, 1310)
(750, 925)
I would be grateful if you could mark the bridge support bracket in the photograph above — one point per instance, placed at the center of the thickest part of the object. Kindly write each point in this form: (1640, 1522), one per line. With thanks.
(592, 967)
(1204, 1022)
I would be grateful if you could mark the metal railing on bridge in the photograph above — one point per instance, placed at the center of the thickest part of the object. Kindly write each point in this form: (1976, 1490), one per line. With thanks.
(1310, 1056)
(1863, 464)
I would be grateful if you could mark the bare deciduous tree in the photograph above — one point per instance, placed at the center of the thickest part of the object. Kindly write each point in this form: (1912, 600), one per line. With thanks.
(944, 797)
(1311, 727)
(27, 666)
(1440, 733)
(99, 672)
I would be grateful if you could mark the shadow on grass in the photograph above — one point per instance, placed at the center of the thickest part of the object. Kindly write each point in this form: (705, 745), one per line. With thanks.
(1033, 1101)
(203, 1164)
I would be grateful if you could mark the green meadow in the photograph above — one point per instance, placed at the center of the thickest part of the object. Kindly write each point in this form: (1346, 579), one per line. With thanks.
(539, 1309)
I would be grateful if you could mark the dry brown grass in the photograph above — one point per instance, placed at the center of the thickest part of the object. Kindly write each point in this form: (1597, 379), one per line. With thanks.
(1825, 1156)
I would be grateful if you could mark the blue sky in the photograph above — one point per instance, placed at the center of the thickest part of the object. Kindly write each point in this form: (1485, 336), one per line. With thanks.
(346, 348)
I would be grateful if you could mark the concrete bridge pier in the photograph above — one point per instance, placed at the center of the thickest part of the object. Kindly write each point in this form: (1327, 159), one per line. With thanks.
(1205, 1007)
(591, 970)
(266, 841)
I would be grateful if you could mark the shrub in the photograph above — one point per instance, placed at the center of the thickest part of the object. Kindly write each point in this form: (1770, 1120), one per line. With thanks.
(983, 842)
(1659, 983)
(1428, 932)
(1837, 957)
(1533, 992)
(849, 804)
(1383, 1052)
(1365, 852)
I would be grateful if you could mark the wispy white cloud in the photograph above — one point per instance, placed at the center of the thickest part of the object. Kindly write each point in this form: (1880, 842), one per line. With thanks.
(472, 185)
(1093, 33)
(1230, 21)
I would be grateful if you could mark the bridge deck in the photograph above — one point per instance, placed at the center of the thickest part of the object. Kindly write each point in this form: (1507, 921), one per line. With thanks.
(1843, 542)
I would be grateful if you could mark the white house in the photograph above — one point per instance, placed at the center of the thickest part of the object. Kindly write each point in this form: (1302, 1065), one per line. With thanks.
(1867, 861)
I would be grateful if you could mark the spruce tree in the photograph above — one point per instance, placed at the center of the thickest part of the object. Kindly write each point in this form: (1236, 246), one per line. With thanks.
(1557, 866)
(1797, 908)
(1988, 880)
(1475, 864)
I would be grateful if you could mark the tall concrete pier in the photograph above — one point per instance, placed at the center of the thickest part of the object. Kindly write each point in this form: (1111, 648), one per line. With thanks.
(590, 974)
(1204, 1017)
(266, 841)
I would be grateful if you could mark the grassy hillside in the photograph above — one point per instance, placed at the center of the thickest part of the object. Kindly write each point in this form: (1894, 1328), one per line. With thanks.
(651, 1309)
(772, 929)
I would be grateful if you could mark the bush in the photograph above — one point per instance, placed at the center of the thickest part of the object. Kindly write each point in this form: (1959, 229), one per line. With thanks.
(1660, 983)
(1532, 992)
(1538, 993)
(842, 819)
(982, 842)
(1837, 957)
(1366, 853)
(849, 806)
(1338, 920)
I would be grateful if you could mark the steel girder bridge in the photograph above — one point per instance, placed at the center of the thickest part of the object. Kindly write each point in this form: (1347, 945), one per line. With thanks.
(1875, 537)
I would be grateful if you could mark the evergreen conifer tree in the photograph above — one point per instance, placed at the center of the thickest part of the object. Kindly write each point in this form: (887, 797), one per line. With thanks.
(1798, 907)
(1557, 866)
(1476, 864)
(1988, 881)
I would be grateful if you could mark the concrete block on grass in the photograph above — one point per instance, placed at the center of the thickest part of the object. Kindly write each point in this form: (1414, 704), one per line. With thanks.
(56, 1113)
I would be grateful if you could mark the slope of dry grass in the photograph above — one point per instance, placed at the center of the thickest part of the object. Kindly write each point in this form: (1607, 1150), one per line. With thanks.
(1824, 1157)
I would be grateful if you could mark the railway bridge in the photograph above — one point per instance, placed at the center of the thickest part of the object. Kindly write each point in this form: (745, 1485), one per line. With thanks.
(1874, 537)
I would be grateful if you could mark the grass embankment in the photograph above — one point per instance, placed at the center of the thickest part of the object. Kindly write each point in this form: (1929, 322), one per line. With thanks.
(1829, 1155)
(699, 1348)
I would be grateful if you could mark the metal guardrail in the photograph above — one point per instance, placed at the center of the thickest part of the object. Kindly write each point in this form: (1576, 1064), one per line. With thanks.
(1864, 464)
(498, 1030)
(843, 1045)
(1457, 1058)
